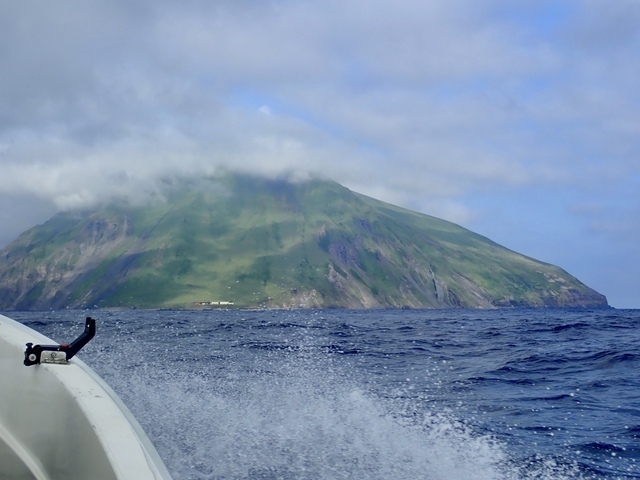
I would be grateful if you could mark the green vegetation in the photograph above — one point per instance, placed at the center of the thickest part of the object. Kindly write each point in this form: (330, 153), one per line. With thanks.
(271, 243)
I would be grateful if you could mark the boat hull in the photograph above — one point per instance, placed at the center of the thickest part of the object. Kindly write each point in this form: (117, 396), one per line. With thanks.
(64, 421)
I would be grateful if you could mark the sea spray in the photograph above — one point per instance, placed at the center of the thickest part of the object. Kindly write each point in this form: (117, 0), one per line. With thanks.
(290, 410)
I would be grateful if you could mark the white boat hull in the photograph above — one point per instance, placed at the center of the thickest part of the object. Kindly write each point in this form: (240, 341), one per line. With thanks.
(64, 421)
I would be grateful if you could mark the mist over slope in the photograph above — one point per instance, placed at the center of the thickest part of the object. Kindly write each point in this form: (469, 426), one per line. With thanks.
(262, 243)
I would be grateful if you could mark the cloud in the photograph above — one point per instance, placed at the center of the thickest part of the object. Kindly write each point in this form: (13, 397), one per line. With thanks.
(426, 103)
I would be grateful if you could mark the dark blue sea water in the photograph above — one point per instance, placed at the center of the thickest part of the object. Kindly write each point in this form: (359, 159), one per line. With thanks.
(334, 394)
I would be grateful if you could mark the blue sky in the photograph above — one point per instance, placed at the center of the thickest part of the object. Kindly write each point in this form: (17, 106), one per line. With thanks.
(518, 120)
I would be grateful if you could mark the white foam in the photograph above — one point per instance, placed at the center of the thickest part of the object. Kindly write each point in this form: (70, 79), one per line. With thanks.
(298, 414)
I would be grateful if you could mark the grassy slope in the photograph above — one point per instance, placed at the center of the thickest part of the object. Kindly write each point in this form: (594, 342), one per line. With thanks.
(260, 242)
(245, 247)
(455, 251)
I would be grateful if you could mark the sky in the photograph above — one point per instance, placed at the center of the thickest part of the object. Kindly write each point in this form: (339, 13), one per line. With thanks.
(517, 120)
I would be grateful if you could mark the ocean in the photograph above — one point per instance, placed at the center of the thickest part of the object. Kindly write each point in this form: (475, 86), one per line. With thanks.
(385, 394)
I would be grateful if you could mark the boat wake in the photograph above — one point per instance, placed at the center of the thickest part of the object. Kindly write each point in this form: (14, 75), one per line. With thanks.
(298, 414)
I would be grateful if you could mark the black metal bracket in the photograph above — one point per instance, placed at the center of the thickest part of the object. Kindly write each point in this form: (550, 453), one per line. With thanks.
(62, 353)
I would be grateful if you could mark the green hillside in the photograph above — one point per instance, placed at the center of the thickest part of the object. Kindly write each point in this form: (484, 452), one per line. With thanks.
(260, 243)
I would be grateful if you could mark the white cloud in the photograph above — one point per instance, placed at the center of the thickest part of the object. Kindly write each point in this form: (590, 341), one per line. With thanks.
(444, 90)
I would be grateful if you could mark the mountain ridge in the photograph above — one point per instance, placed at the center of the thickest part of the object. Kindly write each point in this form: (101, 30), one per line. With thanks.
(262, 243)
